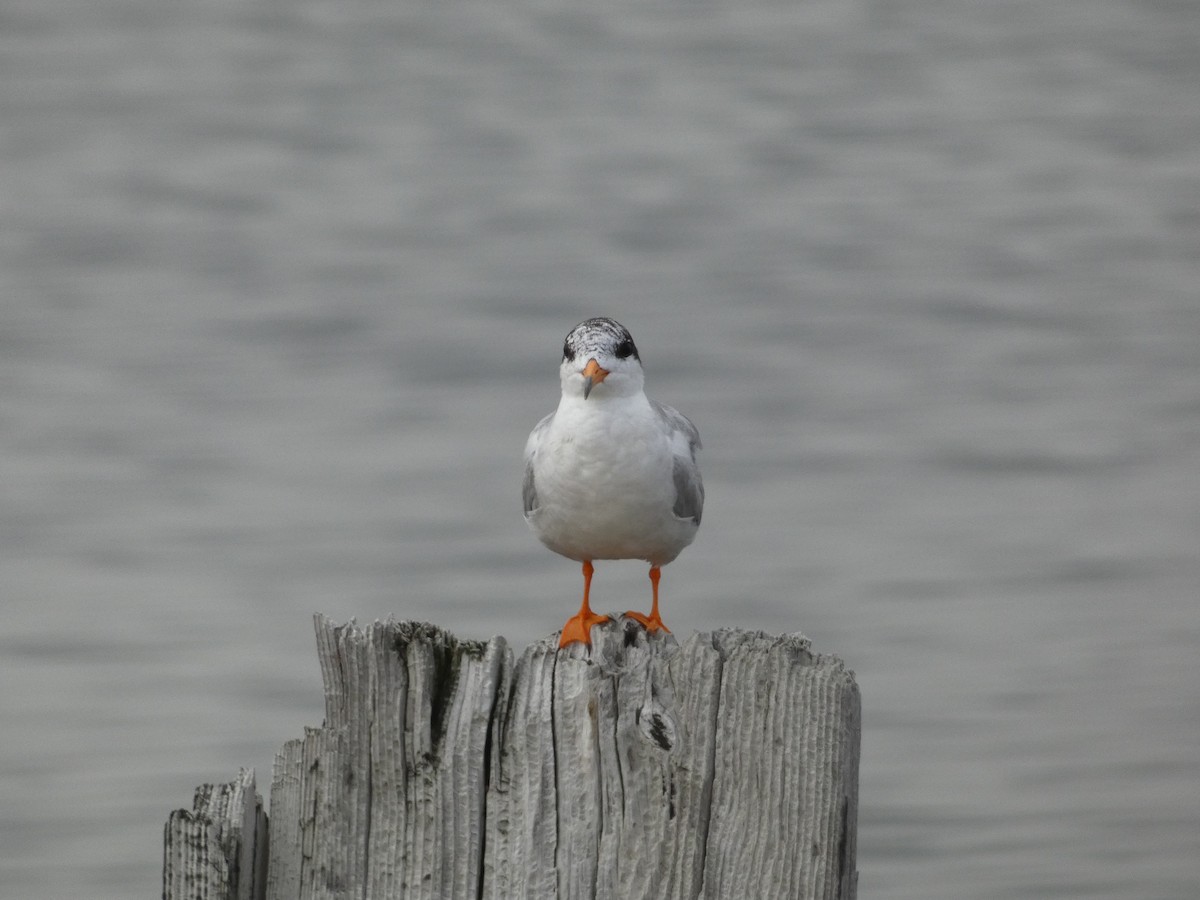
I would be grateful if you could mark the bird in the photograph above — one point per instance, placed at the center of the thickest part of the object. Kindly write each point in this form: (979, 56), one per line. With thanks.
(611, 474)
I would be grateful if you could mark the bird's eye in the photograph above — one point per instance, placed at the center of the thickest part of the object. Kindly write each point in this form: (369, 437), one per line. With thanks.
(568, 353)
(625, 349)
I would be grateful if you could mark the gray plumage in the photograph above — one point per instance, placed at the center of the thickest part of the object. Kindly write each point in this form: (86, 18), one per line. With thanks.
(689, 488)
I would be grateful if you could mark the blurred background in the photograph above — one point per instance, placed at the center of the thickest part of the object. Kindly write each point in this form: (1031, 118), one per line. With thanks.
(283, 286)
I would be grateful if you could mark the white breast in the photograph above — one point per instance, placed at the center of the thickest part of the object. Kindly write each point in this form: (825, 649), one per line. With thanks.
(604, 479)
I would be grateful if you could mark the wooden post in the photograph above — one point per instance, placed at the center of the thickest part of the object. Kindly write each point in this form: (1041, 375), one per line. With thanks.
(217, 850)
(723, 768)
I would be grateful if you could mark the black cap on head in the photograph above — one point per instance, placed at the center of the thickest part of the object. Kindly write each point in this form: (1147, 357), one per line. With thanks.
(600, 334)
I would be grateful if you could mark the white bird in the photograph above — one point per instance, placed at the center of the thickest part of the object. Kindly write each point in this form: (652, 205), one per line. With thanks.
(611, 474)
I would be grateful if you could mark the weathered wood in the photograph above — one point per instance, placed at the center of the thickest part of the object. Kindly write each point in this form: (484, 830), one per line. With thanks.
(218, 849)
(723, 768)
(283, 873)
(387, 799)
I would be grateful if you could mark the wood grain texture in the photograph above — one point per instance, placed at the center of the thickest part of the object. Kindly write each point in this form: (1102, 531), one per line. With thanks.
(218, 849)
(725, 767)
(387, 799)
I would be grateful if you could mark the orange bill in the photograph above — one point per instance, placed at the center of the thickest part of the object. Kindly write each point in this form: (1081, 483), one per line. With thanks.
(593, 375)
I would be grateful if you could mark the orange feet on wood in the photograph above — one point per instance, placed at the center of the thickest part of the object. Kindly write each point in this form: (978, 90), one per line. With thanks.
(578, 628)
(652, 622)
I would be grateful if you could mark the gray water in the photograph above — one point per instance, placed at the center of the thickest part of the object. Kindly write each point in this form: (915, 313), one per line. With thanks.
(283, 287)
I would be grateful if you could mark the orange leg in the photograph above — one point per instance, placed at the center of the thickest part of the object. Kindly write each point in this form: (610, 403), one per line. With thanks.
(579, 626)
(653, 622)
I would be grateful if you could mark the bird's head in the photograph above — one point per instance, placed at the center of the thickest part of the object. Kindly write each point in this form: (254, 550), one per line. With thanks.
(600, 360)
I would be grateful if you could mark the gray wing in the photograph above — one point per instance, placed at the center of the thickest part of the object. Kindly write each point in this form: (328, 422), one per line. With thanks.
(528, 488)
(685, 438)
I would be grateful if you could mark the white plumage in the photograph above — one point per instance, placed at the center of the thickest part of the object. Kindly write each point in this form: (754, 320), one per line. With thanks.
(611, 474)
